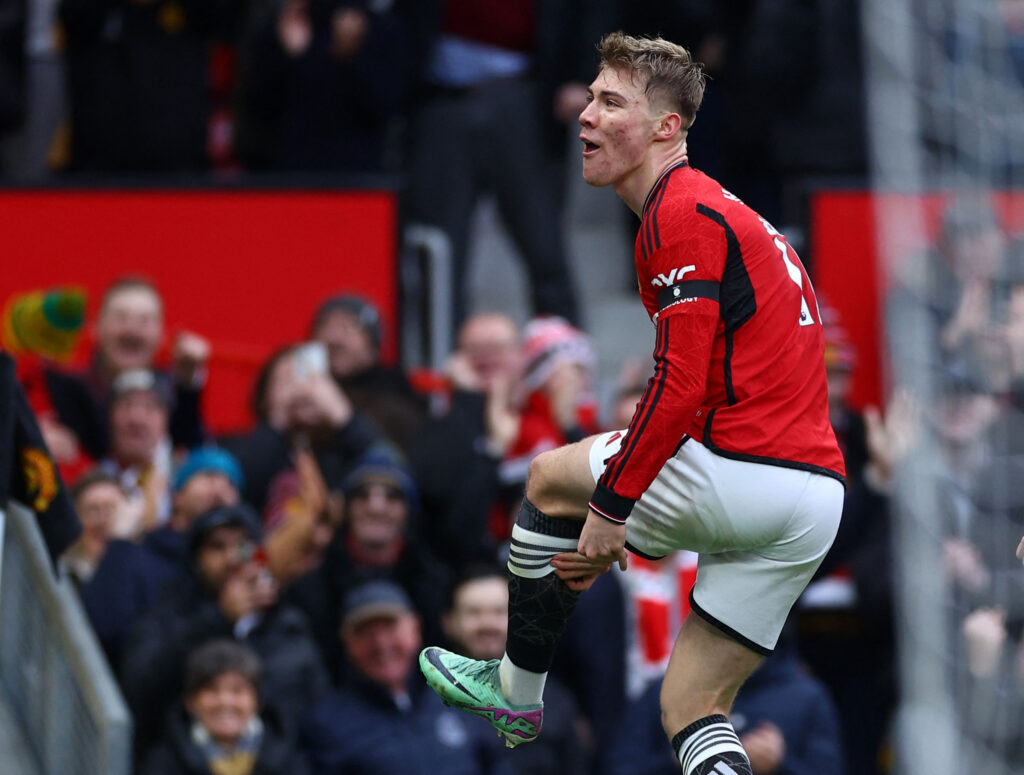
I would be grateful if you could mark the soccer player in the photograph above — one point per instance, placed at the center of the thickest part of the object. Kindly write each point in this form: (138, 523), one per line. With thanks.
(729, 453)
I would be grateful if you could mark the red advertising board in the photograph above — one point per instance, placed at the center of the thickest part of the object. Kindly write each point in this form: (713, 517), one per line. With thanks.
(243, 268)
(852, 275)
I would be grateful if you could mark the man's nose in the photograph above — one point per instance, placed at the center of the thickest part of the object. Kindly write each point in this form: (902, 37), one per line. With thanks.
(586, 116)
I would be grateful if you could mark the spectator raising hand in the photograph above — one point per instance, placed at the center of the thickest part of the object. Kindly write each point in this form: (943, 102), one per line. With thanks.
(890, 436)
(294, 29)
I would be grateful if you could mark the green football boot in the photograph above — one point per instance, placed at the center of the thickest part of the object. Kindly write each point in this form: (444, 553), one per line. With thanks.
(475, 687)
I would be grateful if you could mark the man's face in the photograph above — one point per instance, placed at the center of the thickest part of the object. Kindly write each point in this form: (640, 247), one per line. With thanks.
(138, 422)
(491, 343)
(377, 514)
(202, 492)
(383, 648)
(349, 347)
(221, 553)
(224, 707)
(479, 617)
(97, 507)
(617, 129)
(130, 328)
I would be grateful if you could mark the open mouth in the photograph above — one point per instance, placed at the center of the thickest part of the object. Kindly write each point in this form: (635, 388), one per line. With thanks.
(589, 148)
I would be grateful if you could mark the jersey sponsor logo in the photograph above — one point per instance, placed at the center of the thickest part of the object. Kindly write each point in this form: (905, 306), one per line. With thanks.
(731, 196)
(674, 276)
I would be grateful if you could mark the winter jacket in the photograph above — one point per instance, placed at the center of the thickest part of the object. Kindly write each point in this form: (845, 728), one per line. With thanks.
(177, 754)
(360, 730)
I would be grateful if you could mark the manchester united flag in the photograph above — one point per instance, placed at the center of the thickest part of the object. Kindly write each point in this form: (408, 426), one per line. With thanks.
(27, 472)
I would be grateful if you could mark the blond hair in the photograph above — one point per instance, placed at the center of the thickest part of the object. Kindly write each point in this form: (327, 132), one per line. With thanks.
(671, 72)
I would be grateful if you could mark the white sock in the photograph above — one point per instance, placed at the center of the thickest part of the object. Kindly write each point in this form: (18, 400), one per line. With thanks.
(521, 687)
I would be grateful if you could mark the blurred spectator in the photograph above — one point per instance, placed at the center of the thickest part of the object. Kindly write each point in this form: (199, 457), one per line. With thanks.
(300, 520)
(138, 79)
(559, 405)
(323, 86)
(99, 500)
(476, 622)
(140, 450)
(476, 60)
(955, 290)
(633, 378)
(221, 727)
(657, 596)
(377, 542)
(784, 718)
(129, 331)
(350, 328)
(131, 578)
(846, 615)
(209, 477)
(387, 722)
(298, 407)
(31, 143)
(229, 595)
(457, 456)
(840, 363)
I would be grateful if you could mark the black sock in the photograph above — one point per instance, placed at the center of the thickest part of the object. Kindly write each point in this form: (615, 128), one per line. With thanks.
(539, 602)
(709, 746)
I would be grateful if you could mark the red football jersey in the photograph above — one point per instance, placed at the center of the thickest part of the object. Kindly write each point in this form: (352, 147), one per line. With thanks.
(739, 354)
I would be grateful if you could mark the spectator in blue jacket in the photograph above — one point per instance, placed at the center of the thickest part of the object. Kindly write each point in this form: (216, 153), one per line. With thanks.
(387, 722)
(784, 717)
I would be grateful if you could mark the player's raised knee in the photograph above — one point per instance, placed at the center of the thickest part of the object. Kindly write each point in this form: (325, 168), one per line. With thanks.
(542, 480)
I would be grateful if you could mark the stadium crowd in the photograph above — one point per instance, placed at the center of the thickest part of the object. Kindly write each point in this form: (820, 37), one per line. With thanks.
(261, 596)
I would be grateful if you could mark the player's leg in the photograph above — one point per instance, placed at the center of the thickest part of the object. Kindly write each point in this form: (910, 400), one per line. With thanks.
(705, 671)
(509, 693)
(761, 532)
(550, 520)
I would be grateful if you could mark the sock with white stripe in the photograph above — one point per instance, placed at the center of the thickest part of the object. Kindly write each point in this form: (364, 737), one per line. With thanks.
(539, 603)
(709, 746)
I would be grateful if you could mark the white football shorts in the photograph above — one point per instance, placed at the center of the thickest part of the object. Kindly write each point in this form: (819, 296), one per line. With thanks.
(760, 531)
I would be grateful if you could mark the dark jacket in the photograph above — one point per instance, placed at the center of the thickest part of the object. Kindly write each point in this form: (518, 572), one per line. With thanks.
(264, 452)
(360, 730)
(320, 593)
(779, 691)
(314, 111)
(557, 751)
(128, 582)
(176, 754)
(458, 482)
(82, 403)
(152, 670)
(138, 81)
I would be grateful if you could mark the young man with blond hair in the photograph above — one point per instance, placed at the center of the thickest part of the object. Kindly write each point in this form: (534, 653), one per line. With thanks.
(729, 453)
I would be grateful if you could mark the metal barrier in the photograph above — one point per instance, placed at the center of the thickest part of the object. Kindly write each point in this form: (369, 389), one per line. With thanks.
(53, 675)
(426, 287)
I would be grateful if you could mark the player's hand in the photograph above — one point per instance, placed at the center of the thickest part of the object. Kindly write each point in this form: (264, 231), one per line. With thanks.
(601, 545)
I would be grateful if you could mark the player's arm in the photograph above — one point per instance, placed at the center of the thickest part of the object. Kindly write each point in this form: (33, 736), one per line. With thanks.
(673, 395)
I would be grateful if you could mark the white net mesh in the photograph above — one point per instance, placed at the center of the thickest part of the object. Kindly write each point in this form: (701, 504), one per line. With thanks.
(945, 94)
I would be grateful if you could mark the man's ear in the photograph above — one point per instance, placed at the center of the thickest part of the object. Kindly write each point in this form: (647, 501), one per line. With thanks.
(669, 126)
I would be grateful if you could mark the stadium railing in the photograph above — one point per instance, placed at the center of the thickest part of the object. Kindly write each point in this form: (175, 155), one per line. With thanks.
(53, 675)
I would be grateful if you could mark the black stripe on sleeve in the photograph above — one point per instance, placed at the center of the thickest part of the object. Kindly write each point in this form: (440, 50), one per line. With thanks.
(688, 289)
